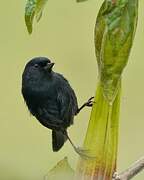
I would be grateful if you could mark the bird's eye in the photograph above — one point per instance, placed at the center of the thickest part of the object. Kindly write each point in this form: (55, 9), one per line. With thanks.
(36, 65)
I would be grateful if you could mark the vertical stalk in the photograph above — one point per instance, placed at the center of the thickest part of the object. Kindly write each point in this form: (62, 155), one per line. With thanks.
(101, 139)
(114, 33)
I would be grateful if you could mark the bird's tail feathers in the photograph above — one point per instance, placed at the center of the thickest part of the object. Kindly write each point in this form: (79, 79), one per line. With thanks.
(58, 140)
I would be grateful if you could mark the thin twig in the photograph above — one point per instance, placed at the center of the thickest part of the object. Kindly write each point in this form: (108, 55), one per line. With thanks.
(132, 171)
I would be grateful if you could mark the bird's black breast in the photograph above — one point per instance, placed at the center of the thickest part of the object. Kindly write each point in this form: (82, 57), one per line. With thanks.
(51, 98)
(40, 94)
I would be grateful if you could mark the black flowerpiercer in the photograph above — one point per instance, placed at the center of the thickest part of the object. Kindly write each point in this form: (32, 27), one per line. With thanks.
(50, 99)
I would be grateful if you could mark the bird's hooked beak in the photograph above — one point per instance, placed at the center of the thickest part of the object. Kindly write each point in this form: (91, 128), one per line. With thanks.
(49, 66)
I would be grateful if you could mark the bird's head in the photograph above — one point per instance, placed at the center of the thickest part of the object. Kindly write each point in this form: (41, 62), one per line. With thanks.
(41, 64)
(37, 69)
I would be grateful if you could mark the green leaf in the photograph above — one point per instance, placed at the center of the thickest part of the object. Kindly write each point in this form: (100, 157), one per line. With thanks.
(29, 14)
(39, 8)
(114, 33)
(61, 171)
(34, 8)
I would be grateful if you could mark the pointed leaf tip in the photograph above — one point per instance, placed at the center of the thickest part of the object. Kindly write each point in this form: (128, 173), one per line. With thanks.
(61, 171)
(34, 8)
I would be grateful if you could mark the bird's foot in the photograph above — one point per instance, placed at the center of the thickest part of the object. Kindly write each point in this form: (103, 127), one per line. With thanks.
(84, 153)
(89, 103)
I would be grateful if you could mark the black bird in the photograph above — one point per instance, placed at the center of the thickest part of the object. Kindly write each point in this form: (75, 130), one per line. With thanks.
(50, 99)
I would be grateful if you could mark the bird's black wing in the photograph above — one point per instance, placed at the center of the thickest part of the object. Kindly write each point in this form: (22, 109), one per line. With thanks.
(67, 102)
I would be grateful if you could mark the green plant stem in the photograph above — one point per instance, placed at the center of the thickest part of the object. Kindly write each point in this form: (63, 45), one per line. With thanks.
(101, 139)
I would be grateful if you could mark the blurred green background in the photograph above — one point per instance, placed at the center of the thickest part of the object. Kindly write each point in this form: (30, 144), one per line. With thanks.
(65, 34)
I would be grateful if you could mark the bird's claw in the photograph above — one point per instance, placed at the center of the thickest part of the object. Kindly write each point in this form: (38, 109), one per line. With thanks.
(84, 153)
(89, 103)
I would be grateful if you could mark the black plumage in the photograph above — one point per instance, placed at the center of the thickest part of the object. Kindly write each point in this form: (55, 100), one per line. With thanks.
(50, 99)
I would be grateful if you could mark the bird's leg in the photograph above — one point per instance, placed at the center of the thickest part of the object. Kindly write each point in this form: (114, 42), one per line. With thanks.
(89, 103)
(82, 152)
